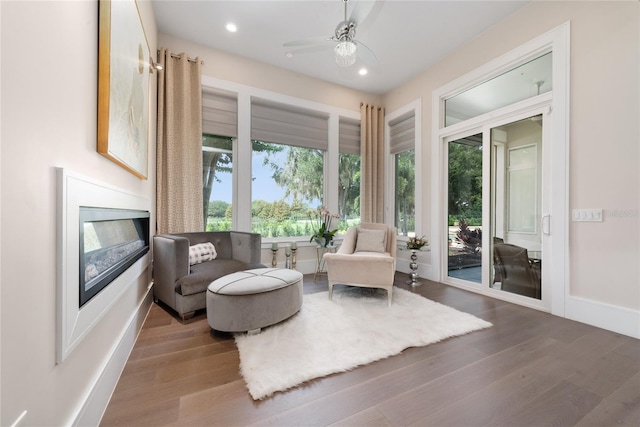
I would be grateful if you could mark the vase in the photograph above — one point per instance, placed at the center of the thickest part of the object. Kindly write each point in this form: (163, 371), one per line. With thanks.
(323, 241)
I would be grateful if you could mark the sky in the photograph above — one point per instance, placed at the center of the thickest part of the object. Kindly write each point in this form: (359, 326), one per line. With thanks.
(263, 186)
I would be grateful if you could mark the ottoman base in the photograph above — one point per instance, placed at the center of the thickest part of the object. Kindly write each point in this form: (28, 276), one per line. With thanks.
(253, 299)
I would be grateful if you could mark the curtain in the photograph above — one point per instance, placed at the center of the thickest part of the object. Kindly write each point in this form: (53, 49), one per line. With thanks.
(372, 161)
(179, 145)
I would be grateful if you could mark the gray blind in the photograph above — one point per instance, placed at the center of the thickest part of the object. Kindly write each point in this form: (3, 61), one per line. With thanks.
(285, 124)
(402, 133)
(349, 136)
(219, 113)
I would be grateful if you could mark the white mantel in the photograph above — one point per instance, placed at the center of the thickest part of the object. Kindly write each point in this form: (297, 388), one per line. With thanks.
(74, 323)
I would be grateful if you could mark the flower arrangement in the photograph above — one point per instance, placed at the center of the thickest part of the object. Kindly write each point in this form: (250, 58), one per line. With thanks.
(321, 220)
(416, 242)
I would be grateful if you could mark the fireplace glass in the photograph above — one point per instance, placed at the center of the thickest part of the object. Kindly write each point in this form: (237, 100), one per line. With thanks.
(111, 240)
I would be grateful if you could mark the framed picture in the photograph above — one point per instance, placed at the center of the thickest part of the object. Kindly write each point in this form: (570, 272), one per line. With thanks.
(123, 86)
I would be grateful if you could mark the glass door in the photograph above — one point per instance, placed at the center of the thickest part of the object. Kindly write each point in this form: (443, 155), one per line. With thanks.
(464, 208)
(522, 205)
(495, 199)
(517, 233)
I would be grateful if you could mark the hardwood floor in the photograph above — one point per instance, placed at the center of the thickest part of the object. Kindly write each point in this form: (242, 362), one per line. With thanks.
(529, 369)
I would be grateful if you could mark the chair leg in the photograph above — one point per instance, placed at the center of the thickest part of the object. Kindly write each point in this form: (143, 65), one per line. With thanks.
(389, 296)
(330, 290)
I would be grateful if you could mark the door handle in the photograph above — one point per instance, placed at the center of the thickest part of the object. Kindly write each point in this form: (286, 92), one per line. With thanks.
(546, 225)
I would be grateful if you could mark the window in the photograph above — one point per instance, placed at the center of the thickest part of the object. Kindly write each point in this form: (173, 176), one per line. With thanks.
(288, 152)
(522, 184)
(349, 174)
(219, 126)
(525, 81)
(401, 143)
(269, 159)
(217, 176)
(286, 183)
(405, 198)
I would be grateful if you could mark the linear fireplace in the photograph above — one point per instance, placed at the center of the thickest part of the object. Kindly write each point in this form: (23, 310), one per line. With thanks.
(103, 237)
(111, 240)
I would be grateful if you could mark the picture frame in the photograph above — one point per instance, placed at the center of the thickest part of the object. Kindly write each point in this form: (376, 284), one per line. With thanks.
(123, 86)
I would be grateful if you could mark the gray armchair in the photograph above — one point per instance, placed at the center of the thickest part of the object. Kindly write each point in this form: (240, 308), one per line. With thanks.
(183, 287)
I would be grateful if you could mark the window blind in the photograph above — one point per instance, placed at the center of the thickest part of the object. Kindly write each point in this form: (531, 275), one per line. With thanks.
(402, 133)
(219, 113)
(286, 124)
(349, 136)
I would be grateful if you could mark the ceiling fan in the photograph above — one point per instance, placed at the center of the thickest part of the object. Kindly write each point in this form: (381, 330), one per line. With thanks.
(343, 41)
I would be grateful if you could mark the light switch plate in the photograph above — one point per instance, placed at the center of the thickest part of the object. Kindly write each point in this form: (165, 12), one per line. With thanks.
(592, 215)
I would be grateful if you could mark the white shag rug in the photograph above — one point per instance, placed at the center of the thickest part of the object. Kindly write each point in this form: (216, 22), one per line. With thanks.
(354, 329)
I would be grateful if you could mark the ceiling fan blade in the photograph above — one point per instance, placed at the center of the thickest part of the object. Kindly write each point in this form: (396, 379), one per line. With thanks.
(307, 42)
(311, 49)
(365, 13)
(366, 54)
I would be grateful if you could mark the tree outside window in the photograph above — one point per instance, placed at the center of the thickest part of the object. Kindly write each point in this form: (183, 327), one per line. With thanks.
(349, 190)
(217, 179)
(287, 182)
(405, 197)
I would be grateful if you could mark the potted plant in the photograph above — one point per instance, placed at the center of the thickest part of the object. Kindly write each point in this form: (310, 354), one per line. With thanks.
(321, 220)
(416, 243)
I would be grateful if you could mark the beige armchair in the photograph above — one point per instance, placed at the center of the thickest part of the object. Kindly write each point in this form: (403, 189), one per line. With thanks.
(366, 258)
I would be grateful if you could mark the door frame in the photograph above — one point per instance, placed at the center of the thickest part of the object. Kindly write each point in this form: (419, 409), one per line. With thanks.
(556, 103)
(533, 107)
(542, 108)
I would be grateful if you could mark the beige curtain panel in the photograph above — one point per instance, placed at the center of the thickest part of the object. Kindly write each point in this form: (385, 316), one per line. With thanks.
(179, 145)
(372, 163)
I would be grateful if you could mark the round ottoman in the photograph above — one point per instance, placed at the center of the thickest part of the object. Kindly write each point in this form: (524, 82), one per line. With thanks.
(253, 299)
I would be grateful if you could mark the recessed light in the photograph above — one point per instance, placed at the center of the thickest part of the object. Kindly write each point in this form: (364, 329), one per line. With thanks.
(289, 54)
(363, 71)
(231, 27)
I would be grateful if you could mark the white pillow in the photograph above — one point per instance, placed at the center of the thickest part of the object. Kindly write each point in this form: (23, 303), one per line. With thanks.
(202, 252)
(371, 240)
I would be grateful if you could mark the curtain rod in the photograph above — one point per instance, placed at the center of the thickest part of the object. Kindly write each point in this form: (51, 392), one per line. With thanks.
(176, 56)
(370, 105)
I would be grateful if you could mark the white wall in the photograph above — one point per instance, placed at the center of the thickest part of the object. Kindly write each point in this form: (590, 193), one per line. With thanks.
(604, 137)
(236, 69)
(49, 107)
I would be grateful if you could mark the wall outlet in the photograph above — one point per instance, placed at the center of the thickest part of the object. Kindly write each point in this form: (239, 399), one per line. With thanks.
(593, 215)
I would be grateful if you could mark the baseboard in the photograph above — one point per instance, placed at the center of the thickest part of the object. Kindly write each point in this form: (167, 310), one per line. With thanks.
(95, 404)
(606, 316)
(424, 270)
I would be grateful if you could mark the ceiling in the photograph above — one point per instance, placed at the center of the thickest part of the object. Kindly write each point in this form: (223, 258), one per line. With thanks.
(406, 36)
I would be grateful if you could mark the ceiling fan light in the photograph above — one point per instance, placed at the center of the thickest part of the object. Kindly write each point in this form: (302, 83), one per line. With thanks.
(345, 53)
(345, 61)
(346, 48)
